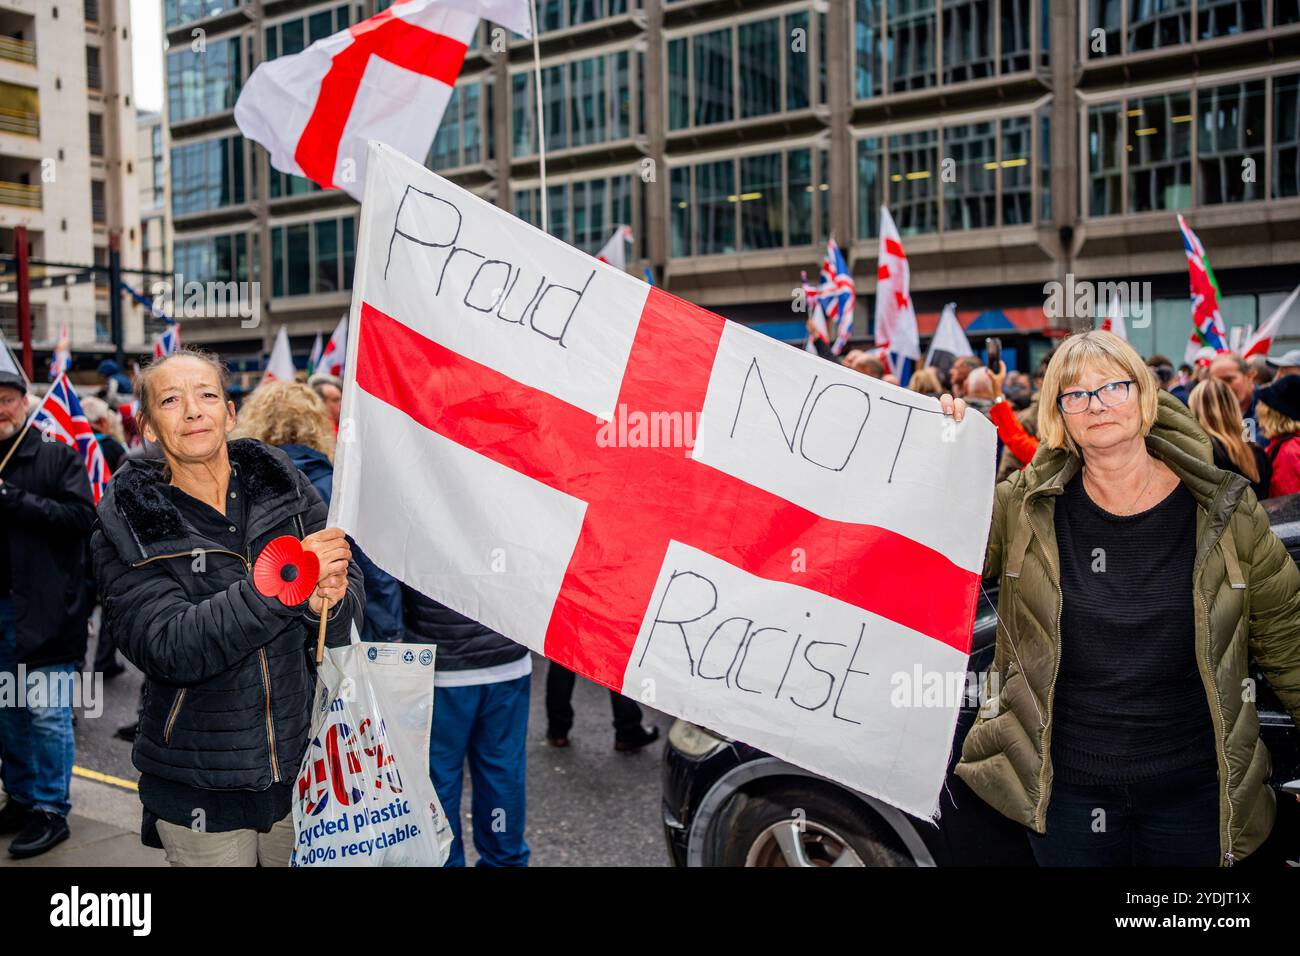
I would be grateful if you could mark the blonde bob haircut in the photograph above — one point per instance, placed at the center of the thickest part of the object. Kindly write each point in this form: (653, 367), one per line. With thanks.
(286, 413)
(1099, 350)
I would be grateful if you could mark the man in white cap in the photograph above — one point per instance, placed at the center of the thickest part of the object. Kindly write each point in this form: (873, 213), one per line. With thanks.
(1286, 364)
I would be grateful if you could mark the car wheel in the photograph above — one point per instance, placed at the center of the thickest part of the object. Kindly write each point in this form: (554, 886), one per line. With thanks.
(797, 825)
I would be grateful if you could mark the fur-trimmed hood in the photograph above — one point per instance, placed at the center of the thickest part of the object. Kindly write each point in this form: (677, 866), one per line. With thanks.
(135, 508)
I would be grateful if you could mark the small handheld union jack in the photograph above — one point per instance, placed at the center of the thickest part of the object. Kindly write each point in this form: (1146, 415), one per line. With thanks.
(60, 418)
(838, 294)
(167, 341)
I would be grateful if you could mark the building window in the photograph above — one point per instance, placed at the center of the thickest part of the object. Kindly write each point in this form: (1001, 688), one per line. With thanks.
(871, 162)
(869, 69)
(1223, 18)
(212, 258)
(755, 202)
(561, 14)
(913, 192)
(1106, 16)
(911, 44)
(1154, 24)
(294, 36)
(199, 84)
(971, 193)
(1160, 152)
(459, 140)
(183, 11)
(752, 69)
(94, 75)
(96, 134)
(587, 102)
(582, 213)
(313, 257)
(207, 175)
(98, 205)
(1016, 170)
(91, 10)
(1286, 136)
(1230, 143)
(968, 39)
(1105, 160)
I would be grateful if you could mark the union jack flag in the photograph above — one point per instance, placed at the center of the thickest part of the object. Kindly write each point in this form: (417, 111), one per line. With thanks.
(1208, 330)
(838, 293)
(60, 418)
(167, 341)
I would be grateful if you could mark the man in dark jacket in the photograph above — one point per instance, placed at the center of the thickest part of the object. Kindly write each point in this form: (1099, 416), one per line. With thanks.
(46, 591)
(480, 712)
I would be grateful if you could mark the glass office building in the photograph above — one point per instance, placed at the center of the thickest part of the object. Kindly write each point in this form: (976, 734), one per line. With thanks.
(1016, 142)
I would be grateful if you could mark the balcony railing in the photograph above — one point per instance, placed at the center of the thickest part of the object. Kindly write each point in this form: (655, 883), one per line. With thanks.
(20, 194)
(23, 122)
(20, 51)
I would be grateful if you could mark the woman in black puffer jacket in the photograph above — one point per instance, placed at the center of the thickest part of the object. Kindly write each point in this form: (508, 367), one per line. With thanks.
(230, 671)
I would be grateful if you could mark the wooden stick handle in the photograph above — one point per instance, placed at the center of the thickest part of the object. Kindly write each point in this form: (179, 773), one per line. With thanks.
(320, 633)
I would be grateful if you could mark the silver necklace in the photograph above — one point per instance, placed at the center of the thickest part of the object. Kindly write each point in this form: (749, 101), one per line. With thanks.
(1151, 473)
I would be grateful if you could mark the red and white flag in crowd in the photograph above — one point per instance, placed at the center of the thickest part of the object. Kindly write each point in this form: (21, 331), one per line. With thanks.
(331, 361)
(317, 350)
(614, 252)
(280, 367)
(897, 334)
(1261, 340)
(60, 418)
(670, 504)
(1114, 321)
(818, 329)
(387, 78)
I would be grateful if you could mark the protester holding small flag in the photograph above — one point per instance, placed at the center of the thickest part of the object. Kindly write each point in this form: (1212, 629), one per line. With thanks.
(1155, 741)
(195, 555)
(1279, 417)
(46, 592)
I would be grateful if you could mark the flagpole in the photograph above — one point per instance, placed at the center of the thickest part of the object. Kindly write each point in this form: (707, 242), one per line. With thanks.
(541, 120)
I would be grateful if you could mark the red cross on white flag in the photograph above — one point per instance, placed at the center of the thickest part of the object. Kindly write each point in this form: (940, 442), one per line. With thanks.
(387, 78)
(678, 507)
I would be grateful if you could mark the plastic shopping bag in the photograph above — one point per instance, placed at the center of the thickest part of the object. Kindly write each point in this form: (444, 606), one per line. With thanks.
(364, 797)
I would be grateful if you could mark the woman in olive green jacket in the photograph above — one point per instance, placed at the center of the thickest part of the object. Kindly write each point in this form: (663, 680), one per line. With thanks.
(1136, 581)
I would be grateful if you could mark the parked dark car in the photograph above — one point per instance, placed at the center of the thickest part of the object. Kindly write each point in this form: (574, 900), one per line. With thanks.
(726, 803)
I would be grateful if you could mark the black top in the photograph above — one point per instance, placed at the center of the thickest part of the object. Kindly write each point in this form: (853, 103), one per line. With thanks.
(1129, 702)
(221, 810)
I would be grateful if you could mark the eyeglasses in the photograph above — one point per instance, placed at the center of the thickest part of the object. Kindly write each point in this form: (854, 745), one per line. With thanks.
(1110, 395)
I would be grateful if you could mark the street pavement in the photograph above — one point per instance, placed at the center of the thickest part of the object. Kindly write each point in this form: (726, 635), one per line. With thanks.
(588, 805)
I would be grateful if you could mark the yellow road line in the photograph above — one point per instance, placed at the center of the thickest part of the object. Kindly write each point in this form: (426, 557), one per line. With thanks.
(106, 778)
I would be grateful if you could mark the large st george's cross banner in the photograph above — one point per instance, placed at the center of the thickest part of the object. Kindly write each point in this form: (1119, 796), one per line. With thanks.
(716, 524)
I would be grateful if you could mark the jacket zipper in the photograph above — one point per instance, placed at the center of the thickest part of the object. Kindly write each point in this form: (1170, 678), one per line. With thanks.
(270, 726)
(190, 553)
(1220, 742)
(1040, 813)
(171, 718)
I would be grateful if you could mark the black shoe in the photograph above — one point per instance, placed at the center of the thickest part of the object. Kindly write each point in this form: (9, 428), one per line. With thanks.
(127, 732)
(44, 831)
(635, 741)
(13, 816)
(113, 670)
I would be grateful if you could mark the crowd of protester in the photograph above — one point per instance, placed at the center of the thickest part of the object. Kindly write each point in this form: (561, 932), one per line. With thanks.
(193, 474)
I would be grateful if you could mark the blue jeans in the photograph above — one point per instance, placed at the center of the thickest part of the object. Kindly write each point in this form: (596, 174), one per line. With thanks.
(488, 724)
(36, 742)
(1170, 821)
